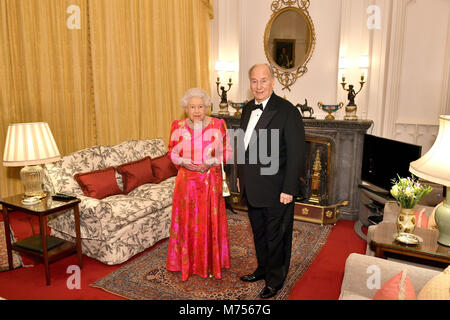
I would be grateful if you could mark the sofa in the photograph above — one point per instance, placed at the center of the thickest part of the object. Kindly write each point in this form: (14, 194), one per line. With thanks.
(360, 269)
(118, 226)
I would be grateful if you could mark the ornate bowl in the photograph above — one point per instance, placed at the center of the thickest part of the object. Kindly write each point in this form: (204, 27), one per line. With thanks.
(330, 108)
(238, 107)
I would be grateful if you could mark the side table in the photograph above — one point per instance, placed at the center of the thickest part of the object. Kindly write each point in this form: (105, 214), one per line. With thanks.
(430, 250)
(43, 248)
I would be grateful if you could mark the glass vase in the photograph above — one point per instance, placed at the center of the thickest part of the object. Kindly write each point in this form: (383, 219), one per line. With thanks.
(406, 220)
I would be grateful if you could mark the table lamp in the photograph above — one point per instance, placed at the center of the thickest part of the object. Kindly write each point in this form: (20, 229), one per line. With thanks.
(434, 166)
(30, 145)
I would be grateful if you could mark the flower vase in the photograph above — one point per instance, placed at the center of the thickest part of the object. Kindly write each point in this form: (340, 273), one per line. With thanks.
(406, 220)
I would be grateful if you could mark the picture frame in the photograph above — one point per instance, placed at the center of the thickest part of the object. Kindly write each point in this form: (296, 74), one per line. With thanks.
(284, 52)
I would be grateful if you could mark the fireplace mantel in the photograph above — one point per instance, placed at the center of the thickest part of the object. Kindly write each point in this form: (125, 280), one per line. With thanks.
(347, 139)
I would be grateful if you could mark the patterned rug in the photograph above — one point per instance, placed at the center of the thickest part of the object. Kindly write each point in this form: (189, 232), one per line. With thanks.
(3, 252)
(146, 277)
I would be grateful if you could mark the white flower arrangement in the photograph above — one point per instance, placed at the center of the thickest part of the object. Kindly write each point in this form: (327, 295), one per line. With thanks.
(408, 191)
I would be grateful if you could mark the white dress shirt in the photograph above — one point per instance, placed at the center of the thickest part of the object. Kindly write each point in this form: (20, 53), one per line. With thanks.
(254, 118)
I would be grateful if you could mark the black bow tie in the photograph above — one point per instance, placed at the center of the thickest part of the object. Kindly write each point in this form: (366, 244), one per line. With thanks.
(258, 106)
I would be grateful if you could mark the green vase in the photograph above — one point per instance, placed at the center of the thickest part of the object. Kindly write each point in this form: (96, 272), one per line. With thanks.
(406, 220)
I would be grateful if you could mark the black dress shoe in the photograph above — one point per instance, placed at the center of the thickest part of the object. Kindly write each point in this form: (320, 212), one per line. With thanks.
(252, 277)
(268, 292)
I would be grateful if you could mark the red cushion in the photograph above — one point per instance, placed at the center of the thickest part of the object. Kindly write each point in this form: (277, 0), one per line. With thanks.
(396, 289)
(421, 218)
(163, 168)
(98, 184)
(136, 173)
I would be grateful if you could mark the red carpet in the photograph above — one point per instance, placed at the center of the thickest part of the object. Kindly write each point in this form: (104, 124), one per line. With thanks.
(321, 281)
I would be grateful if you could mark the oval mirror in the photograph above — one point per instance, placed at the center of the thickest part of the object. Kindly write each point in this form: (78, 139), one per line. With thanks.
(289, 41)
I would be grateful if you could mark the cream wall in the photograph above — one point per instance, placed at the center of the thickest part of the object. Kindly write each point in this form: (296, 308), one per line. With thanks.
(408, 47)
(318, 84)
(418, 72)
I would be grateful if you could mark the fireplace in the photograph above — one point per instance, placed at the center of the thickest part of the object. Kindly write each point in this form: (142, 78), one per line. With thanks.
(330, 182)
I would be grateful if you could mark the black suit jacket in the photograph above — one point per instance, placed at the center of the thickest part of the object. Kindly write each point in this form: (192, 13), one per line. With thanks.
(282, 123)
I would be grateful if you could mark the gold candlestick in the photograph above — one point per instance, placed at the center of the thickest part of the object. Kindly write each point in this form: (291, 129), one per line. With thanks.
(350, 109)
(223, 106)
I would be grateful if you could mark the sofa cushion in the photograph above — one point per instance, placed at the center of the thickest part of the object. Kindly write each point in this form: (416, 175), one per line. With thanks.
(437, 288)
(99, 183)
(59, 176)
(399, 287)
(421, 218)
(132, 150)
(163, 168)
(146, 200)
(153, 148)
(129, 151)
(136, 173)
(162, 192)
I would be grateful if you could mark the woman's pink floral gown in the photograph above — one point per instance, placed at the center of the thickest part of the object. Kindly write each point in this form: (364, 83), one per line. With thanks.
(198, 242)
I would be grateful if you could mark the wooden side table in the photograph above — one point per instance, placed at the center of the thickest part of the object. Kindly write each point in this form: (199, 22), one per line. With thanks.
(429, 250)
(48, 249)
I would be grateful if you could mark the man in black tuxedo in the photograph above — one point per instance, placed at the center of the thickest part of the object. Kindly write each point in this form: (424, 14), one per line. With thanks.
(274, 157)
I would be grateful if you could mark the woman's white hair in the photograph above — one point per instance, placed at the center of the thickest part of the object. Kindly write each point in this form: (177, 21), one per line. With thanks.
(195, 93)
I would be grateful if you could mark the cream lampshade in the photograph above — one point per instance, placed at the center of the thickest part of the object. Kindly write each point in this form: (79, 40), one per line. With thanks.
(434, 166)
(29, 145)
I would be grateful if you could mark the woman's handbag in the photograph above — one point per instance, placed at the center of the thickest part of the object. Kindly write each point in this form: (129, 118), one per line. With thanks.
(225, 188)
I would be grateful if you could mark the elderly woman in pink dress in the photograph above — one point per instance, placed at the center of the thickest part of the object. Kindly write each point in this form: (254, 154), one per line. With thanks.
(198, 242)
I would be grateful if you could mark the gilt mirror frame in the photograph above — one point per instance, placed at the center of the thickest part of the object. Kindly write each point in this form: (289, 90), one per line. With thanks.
(288, 76)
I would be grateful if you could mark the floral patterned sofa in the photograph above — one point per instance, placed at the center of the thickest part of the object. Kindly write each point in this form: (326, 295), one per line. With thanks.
(117, 227)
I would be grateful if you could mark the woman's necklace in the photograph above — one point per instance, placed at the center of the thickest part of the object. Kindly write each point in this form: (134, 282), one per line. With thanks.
(196, 124)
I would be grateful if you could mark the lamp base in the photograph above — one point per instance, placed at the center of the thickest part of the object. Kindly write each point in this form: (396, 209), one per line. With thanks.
(33, 177)
(442, 217)
(350, 113)
(223, 109)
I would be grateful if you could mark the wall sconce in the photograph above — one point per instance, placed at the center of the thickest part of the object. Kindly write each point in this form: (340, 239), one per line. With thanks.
(350, 109)
(221, 67)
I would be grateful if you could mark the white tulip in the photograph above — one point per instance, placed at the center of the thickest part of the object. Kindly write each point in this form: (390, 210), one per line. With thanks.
(409, 192)
(394, 191)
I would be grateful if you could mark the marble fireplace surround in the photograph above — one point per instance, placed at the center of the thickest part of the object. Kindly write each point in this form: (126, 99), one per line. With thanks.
(345, 177)
(347, 140)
